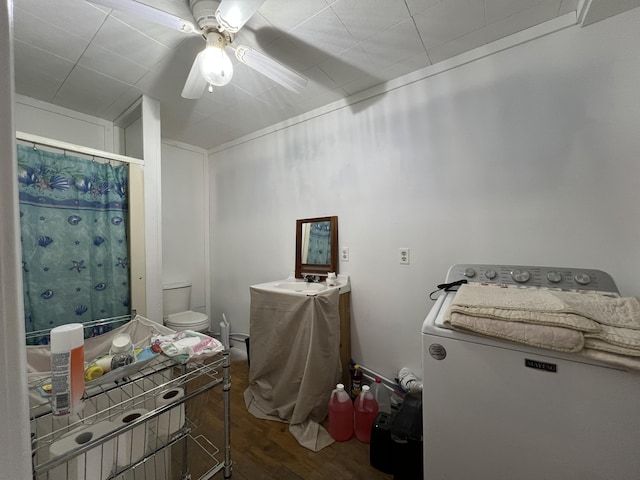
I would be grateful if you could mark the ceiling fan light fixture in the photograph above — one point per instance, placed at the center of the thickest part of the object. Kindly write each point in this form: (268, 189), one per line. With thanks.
(215, 64)
(232, 15)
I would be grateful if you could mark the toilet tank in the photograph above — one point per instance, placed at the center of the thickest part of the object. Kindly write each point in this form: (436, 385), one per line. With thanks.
(176, 298)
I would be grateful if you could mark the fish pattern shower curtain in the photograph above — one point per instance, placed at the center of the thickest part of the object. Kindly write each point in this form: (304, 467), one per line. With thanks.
(319, 251)
(73, 219)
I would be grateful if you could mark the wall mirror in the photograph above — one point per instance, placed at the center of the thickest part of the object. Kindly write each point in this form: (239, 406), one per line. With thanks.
(316, 246)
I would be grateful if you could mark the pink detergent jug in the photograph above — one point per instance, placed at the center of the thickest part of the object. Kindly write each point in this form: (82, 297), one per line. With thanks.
(340, 414)
(366, 411)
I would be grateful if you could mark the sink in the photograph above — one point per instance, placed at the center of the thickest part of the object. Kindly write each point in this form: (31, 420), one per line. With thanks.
(298, 286)
(302, 287)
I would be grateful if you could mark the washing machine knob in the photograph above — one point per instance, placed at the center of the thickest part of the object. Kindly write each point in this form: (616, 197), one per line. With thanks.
(490, 274)
(520, 276)
(582, 278)
(554, 277)
(469, 272)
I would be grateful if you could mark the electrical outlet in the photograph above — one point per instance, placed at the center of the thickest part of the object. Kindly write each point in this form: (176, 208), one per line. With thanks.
(404, 256)
(344, 254)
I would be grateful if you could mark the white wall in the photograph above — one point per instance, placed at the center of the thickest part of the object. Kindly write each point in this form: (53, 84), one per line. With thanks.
(528, 156)
(50, 121)
(185, 220)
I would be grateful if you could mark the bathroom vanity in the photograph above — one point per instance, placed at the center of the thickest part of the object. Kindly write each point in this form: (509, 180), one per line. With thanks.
(300, 287)
(300, 349)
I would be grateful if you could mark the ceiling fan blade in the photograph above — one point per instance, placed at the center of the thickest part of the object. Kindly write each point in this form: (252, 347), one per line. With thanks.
(270, 68)
(233, 14)
(151, 14)
(196, 83)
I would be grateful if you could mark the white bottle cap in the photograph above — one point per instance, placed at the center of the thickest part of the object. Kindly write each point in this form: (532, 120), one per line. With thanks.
(121, 343)
(67, 337)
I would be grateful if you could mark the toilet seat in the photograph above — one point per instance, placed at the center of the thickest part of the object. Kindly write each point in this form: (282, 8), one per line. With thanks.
(188, 321)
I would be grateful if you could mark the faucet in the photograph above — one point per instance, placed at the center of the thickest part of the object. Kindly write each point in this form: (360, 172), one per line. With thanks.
(311, 278)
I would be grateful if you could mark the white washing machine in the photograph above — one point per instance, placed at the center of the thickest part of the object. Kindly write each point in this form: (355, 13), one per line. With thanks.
(498, 410)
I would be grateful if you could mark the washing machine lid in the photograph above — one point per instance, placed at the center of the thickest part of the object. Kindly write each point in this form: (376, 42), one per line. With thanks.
(186, 319)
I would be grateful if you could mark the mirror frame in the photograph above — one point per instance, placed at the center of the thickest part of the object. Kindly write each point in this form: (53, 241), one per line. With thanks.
(317, 269)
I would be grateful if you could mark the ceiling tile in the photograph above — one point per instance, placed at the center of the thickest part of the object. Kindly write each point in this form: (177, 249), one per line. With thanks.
(220, 99)
(395, 44)
(213, 132)
(326, 32)
(411, 64)
(45, 36)
(342, 46)
(39, 74)
(472, 40)
(164, 35)
(295, 53)
(417, 6)
(446, 21)
(127, 42)
(79, 18)
(249, 80)
(496, 10)
(348, 66)
(366, 18)
(362, 83)
(88, 92)
(109, 63)
(536, 15)
(324, 98)
(285, 14)
(249, 115)
(121, 104)
(319, 82)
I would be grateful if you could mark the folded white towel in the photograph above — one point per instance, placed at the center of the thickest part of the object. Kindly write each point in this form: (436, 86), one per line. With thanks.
(533, 306)
(623, 361)
(557, 320)
(621, 337)
(602, 346)
(543, 336)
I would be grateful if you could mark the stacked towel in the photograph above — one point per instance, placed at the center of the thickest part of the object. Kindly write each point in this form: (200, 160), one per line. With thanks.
(563, 321)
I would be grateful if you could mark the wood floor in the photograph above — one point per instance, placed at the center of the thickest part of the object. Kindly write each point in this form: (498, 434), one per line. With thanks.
(263, 449)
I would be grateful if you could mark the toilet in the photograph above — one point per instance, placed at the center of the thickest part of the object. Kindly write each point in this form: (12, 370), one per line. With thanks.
(176, 300)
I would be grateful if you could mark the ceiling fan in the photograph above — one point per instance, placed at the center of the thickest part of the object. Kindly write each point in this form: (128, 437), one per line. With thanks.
(217, 22)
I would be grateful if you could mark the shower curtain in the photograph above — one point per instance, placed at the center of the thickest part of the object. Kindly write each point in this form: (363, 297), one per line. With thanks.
(319, 251)
(73, 219)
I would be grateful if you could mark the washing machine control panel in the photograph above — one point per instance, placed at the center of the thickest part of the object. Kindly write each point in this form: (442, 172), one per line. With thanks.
(559, 278)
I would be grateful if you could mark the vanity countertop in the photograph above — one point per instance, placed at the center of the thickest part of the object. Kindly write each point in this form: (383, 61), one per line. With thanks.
(298, 286)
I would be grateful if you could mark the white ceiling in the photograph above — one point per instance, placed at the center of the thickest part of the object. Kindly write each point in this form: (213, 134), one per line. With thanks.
(97, 61)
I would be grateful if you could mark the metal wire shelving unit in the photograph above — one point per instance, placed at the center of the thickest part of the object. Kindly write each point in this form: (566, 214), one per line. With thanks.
(155, 443)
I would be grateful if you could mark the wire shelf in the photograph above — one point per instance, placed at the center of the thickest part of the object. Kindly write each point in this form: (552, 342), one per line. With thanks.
(129, 427)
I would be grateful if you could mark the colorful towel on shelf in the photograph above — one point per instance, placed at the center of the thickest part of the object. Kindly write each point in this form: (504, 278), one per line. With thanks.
(557, 320)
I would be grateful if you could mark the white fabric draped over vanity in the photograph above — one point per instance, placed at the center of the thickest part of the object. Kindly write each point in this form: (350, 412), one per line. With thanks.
(295, 360)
